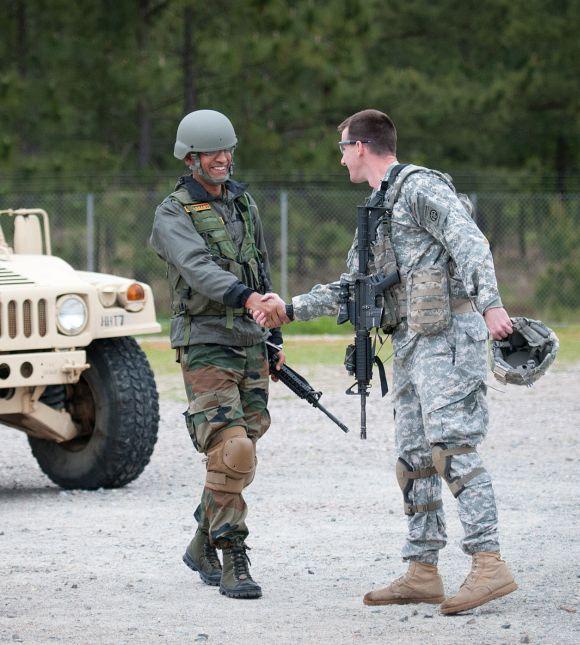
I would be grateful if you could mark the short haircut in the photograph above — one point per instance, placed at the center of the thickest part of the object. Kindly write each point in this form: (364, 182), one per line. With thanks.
(376, 126)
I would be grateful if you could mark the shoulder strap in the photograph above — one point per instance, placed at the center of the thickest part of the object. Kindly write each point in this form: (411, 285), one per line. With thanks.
(397, 177)
(181, 195)
(395, 172)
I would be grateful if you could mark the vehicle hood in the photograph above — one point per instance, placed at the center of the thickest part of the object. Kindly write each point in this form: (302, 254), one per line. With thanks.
(40, 270)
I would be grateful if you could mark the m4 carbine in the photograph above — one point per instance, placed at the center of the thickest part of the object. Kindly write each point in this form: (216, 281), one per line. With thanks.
(365, 311)
(298, 384)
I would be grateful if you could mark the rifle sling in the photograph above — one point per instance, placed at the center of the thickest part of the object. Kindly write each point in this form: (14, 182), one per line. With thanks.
(382, 375)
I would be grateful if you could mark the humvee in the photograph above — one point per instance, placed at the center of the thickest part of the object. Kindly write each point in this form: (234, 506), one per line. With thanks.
(72, 377)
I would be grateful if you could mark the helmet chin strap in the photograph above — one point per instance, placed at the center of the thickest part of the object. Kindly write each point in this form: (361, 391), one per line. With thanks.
(196, 168)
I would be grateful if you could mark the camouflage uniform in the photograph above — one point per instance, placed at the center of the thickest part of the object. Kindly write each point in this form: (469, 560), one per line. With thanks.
(439, 379)
(223, 360)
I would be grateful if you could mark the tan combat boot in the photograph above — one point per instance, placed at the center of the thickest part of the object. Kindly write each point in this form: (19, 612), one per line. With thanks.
(489, 578)
(421, 583)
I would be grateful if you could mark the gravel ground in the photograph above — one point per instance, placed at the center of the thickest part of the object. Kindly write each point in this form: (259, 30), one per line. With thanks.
(327, 526)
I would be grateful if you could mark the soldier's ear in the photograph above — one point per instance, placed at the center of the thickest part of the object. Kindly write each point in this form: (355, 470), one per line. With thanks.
(189, 161)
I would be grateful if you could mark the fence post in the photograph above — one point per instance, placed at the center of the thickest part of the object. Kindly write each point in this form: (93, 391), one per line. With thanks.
(90, 232)
(284, 244)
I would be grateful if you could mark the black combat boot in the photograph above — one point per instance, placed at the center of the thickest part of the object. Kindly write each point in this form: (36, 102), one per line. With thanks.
(202, 557)
(236, 581)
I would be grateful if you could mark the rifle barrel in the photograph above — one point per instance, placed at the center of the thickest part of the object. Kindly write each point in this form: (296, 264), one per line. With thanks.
(331, 416)
(363, 414)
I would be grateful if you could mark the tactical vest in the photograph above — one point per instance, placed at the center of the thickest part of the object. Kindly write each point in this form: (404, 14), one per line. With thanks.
(397, 299)
(245, 264)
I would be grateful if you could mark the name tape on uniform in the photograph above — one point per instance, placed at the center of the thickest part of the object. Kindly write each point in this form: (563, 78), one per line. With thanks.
(201, 207)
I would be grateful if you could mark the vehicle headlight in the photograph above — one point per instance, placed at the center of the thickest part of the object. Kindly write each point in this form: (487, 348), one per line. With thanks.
(71, 315)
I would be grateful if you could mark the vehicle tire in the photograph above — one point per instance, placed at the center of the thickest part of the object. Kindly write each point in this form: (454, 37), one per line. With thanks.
(115, 407)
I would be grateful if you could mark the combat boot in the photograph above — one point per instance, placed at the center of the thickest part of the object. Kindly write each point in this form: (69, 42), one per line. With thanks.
(202, 557)
(421, 583)
(489, 578)
(236, 581)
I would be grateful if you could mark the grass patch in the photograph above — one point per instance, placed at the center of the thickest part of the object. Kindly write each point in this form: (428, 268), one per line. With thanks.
(569, 337)
(315, 351)
(329, 350)
(161, 356)
(322, 325)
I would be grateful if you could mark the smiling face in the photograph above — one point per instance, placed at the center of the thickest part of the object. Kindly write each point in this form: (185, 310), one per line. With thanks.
(211, 169)
(216, 165)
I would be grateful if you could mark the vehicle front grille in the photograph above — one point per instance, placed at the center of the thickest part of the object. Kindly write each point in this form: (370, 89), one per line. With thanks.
(26, 318)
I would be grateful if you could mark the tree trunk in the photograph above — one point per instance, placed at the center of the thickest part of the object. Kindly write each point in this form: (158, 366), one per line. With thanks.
(143, 107)
(21, 47)
(189, 75)
(144, 119)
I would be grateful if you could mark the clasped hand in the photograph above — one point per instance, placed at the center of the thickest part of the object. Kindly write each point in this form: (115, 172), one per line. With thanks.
(268, 310)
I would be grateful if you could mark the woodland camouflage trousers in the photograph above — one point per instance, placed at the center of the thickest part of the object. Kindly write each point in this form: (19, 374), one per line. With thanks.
(226, 387)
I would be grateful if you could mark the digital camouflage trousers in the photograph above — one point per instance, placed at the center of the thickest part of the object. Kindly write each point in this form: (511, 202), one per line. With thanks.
(226, 387)
(439, 399)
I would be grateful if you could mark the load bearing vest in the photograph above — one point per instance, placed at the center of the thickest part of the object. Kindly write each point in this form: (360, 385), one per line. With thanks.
(244, 263)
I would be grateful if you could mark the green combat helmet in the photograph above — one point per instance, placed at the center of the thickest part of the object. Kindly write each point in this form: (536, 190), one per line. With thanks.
(525, 354)
(204, 131)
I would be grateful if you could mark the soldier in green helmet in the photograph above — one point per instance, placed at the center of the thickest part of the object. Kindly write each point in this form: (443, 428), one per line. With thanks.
(209, 233)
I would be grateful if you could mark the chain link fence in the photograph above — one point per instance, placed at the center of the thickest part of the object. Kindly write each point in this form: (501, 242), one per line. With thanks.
(535, 239)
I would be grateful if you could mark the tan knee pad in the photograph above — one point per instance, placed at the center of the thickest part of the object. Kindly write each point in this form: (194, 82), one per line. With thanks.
(230, 462)
(442, 456)
(405, 477)
(250, 476)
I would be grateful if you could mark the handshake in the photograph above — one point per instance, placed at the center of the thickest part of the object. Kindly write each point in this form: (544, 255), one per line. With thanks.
(268, 310)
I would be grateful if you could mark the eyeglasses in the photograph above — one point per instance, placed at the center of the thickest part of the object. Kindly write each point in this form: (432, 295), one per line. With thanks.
(215, 153)
(351, 142)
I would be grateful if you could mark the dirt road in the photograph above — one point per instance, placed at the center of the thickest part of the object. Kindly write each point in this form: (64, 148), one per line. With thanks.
(327, 526)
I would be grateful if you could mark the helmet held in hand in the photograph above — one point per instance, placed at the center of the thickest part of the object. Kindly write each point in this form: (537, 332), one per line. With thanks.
(526, 354)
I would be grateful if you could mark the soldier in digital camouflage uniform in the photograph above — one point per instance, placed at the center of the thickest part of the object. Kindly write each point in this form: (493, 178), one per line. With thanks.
(210, 234)
(447, 297)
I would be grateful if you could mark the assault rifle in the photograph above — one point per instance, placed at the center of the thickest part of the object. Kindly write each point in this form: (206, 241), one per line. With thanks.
(365, 311)
(298, 384)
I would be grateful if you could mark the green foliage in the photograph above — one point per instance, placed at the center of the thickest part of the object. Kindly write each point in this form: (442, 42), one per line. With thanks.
(559, 285)
(100, 87)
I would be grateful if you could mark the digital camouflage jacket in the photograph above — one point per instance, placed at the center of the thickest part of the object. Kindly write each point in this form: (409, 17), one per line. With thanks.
(430, 226)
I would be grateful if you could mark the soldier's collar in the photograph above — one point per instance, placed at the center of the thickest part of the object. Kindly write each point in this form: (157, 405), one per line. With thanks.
(198, 193)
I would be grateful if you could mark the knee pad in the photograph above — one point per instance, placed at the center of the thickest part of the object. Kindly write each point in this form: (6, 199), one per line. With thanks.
(405, 477)
(442, 459)
(230, 462)
(250, 476)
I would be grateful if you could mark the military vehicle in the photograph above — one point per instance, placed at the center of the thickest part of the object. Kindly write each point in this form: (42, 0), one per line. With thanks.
(72, 377)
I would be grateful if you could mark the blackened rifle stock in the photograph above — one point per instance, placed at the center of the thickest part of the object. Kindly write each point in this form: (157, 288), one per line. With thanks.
(365, 311)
